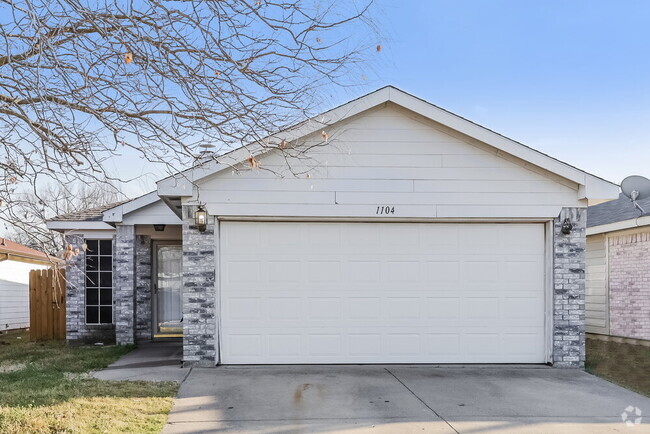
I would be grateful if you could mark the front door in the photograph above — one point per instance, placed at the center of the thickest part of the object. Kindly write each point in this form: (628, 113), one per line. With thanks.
(168, 306)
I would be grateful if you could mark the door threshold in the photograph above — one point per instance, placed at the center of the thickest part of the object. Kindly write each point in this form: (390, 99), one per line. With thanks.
(167, 335)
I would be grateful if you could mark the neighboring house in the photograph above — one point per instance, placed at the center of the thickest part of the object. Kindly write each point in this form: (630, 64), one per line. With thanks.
(618, 269)
(16, 261)
(408, 235)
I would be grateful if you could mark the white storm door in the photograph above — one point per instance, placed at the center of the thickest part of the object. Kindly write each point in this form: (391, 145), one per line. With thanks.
(305, 292)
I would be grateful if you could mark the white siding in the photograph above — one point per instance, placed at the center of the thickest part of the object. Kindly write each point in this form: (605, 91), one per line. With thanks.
(389, 156)
(596, 299)
(14, 294)
(158, 213)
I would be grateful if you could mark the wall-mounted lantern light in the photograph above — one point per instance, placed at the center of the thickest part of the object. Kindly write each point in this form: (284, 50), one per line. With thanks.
(566, 226)
(201, 218)
(159, 228)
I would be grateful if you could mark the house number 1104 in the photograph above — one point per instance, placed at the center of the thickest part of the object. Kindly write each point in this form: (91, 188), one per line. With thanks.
(386, 209)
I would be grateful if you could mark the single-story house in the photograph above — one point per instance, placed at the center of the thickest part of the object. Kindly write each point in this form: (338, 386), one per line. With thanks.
(16, 261)
(386, 230)
(618, 269)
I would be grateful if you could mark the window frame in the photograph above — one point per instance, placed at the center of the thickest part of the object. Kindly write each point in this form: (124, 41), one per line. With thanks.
(98, 274)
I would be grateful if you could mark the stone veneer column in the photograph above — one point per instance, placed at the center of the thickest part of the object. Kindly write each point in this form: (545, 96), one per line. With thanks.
(75, 285)
(199, 320)
(143, 329)
(569, 290)
(124, 284)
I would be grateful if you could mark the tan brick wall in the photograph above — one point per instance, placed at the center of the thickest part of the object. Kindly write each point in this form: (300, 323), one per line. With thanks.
(629, 285)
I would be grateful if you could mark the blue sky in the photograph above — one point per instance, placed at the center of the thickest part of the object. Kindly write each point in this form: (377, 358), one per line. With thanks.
(569, 78)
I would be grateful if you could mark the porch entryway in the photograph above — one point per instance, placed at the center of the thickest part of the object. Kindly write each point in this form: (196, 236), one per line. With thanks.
(150, 361)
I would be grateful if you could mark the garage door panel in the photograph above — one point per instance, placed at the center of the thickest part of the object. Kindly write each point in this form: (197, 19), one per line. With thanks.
(520, 307)
(442, 271)
(322, 271)
(442, 344)
(363, 271)
(328, 308)
(413, 293)
(400, 271)
(284, 308)
(523, 344)
(442, 308)
(243, 308)
(479, 344)
(444, 239)
(365, 344)
(283, 344)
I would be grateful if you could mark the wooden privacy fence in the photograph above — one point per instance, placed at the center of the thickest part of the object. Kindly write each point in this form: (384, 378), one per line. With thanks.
(47, 304)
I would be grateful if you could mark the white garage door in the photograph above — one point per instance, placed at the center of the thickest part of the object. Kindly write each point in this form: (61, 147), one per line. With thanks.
(381, 293)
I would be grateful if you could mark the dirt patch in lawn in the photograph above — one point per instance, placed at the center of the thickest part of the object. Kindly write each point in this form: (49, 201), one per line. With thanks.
(11, 367)
(625, 364)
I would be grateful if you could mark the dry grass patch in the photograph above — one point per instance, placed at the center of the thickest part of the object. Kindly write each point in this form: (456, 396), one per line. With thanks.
(46, 390)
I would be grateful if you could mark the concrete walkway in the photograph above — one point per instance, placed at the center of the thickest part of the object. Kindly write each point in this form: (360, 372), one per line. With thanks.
(400, 399)
(160, 361)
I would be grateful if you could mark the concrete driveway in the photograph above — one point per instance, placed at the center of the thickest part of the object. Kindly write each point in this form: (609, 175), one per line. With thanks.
(401, 399)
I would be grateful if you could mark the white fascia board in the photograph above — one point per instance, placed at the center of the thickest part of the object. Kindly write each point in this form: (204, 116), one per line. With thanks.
(594, 188)
(64, 225)
(597, 188)
(90, 234)
(116, 215)
(619, 226)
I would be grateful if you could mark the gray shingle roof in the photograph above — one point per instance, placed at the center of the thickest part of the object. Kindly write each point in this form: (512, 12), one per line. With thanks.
(89, 214)
(617, 210)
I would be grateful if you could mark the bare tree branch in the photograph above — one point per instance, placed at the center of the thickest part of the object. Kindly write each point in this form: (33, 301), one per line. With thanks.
(30, 212)
(82, 81)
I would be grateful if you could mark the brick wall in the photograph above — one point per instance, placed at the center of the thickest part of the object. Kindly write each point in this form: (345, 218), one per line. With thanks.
(569, 290)
(629, 285)
(77, 331)
(124, 284)
(199, 304)
(143, 327)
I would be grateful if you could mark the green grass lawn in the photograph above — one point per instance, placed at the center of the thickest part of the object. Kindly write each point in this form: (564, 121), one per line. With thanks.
(44, 387)
(624, 364)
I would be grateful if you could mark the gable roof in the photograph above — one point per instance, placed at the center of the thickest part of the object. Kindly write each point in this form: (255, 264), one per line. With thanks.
(590, 186)
(89, 214)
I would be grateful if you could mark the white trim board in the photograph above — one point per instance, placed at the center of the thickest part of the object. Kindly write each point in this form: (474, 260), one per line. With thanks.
(65, 225)
(619, 226)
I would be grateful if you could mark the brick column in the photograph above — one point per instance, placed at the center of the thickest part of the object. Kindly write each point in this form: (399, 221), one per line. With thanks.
(75, 285)
(143, 287)
(199, 320)
(569, 290)
(124, 284)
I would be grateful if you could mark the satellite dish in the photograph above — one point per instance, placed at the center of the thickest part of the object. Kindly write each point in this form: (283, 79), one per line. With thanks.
(636, 187)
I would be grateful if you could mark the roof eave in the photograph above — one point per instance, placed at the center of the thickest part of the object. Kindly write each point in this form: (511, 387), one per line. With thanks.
(66, 225)
(619, 226)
